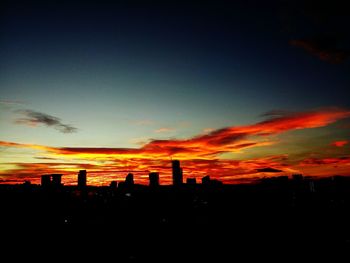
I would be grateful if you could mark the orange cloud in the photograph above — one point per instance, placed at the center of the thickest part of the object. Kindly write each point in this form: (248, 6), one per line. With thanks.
(325, 166)
(23, 145)
(200, 155)
(216, 142)
(339, 143)
(325, 161)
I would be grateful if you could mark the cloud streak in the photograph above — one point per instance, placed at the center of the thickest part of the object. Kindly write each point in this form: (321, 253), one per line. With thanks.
(25, 145)
(200, 155)
(268, 170)
(229, 139)
(325, 161)
(164, 130)
(322, 49)
(34, 118)
(11, 102)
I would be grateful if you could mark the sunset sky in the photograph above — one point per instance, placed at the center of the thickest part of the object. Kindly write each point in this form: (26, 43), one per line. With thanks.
(237, 90)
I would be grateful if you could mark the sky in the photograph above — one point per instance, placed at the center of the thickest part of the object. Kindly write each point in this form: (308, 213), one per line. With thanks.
(238, 90)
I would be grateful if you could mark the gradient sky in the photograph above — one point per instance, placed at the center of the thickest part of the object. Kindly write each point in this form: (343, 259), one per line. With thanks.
(238, 90)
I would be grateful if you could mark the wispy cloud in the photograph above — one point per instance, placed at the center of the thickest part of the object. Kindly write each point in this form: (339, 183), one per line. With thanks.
(140, 141)
(45, 158)
(216, 142)
(325, 166)
(201, 154)
(34, 118)
(25, 145)
(268, 170)
(164, 129)
(208, 130)
(325, 161)
(11, 102)
(323, 48)
(318, 27)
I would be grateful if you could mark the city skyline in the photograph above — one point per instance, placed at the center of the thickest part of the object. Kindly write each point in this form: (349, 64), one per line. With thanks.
(237, 91)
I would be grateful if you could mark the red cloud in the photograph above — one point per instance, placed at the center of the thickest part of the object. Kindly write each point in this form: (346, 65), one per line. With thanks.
(216, 142)
(325, 166)
(325, 161)
(199, 155)
(230, 138)
(339, 143)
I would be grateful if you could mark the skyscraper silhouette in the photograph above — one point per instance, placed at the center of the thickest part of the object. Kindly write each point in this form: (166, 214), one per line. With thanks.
(56, 179)
(45, 180)
(153, 179)
(129, 180)
(206, 179)
(82, 179)
(177, 173)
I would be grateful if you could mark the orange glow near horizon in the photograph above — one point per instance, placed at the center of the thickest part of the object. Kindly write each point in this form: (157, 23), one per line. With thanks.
(200, 155)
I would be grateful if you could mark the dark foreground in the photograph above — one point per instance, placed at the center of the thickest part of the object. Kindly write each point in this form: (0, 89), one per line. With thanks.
(198, 222)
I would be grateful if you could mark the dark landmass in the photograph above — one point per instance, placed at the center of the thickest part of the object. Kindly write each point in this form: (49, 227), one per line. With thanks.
(188, 221)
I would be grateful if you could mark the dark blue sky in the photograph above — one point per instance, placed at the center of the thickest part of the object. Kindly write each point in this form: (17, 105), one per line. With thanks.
(127, 85)
(209, 63)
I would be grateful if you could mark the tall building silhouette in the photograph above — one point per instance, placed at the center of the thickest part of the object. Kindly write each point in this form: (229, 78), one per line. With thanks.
(129, 180)
(45, 180)
(82, 179)
(206, 179)
(177, 173)
(56, 179)
(153, 179)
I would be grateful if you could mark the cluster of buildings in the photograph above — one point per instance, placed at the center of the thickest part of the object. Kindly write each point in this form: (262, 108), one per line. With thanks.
(54, 180)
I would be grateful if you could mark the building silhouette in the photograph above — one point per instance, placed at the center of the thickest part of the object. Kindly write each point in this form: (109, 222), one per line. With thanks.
(191, 181)
(206, 179)
(297, 177)
(153, 179)
(177, 173)
(56, 179)
(113, 185)
(46, 180)
(82, 179)
(129, 180)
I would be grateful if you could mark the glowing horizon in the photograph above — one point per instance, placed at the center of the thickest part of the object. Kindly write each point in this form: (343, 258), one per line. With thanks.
(204, 154)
